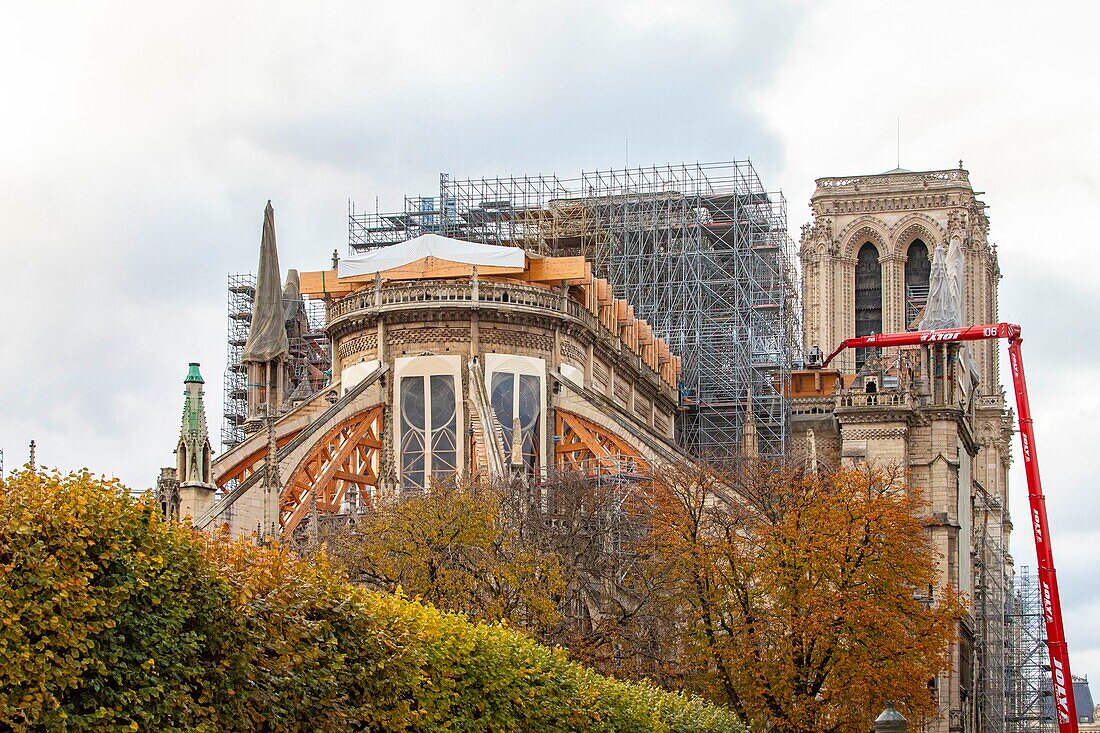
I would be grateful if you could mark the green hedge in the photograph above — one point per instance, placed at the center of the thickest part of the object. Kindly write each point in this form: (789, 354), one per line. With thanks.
(113, 620)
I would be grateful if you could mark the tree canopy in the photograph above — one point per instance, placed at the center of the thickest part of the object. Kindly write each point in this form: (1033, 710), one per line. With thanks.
(114, 620)
(804, 595)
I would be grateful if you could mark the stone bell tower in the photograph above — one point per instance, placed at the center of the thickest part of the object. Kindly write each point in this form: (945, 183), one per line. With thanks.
(866, 259)
(937, 411)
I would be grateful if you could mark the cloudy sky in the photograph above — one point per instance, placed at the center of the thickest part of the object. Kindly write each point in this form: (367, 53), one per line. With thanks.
(139, 144)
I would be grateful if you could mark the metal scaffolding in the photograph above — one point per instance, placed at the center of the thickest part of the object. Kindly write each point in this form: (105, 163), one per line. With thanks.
(308, 358)
(242, 289)
(992, 611)
(701, 251)
(1030, 704)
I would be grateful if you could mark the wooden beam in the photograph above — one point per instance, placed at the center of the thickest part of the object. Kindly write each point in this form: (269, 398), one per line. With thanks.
(553, 269)
(603, 292)
(623, 313)
(325, 282)
(432, 268)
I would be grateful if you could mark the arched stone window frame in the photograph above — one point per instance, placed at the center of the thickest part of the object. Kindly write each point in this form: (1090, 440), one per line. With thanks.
(912, 226)
(862, 231)
(522, 366)
(873, 251)
(913, 234)
(426, 367)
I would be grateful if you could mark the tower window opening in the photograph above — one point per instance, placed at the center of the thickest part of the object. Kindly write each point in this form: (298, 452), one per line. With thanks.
(918, 267)
(868, 298)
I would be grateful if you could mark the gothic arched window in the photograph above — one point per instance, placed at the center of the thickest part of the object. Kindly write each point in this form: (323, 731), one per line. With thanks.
(917, 269)
(517, 396)
(868, 297)
(429, 429)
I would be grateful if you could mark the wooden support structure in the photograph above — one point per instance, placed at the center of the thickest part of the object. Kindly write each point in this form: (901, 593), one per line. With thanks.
(589, 448)
(575, 273)
(250, 463)
(348, 456)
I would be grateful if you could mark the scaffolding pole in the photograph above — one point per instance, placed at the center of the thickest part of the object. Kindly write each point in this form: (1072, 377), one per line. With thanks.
(700, 250)
(1030, 702)
(992, 609)
(241, 291)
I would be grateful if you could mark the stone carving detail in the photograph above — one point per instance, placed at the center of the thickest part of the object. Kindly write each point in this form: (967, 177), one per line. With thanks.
(404, 336)
(600, 373)
(882, 181)
(860, 231)
(817, 239)
(876, 433)
(570, 352)
(505, 338)
(358, 345)
(622, 392)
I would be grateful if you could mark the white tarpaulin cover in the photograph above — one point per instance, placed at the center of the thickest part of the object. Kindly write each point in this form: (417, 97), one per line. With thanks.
(943, 309)
(431, 245)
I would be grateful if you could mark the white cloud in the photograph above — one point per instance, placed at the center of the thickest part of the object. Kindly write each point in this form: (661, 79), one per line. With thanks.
(140, 144)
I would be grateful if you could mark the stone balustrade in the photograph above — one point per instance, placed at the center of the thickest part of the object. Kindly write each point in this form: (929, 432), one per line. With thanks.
(892, 399)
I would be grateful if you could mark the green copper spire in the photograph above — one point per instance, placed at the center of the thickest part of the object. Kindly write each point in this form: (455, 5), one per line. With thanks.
(193, 374)
(193, 453)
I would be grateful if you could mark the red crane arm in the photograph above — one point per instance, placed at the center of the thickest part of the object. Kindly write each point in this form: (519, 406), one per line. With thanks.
(970, 333)
(1057, 648)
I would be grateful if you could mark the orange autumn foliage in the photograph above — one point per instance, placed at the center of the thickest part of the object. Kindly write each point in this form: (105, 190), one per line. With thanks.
(805, 595)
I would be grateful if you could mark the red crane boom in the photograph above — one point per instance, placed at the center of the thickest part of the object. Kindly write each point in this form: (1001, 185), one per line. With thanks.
(1048, 580)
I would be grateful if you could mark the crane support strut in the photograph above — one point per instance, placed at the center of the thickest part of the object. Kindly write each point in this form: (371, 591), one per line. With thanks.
(1057, 648)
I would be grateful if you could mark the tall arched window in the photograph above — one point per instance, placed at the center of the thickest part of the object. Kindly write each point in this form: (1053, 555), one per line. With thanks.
(917, 269)
(868, 297)
(517, 395)
(428, 420)
(429, 429)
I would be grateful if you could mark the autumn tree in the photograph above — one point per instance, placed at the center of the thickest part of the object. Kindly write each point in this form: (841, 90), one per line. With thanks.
(599, 530)
(803, 595)
(561, 559)
(460, 547)
(110, 619)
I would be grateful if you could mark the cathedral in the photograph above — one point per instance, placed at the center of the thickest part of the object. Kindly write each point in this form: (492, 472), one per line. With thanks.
(449, 359)
(455, 356)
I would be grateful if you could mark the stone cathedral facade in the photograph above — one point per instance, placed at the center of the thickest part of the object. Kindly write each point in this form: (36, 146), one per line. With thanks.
(937, 411)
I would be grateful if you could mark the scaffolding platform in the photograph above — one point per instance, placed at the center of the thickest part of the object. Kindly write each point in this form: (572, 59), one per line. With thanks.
(700, 250)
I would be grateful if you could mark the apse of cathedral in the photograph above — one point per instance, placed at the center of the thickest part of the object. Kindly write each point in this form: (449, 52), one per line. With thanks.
(448, 359)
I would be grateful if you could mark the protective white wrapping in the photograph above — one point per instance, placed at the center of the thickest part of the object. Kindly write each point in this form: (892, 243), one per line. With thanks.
(956, 266)
(431, 245)
(267, 333)
(943, 309)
